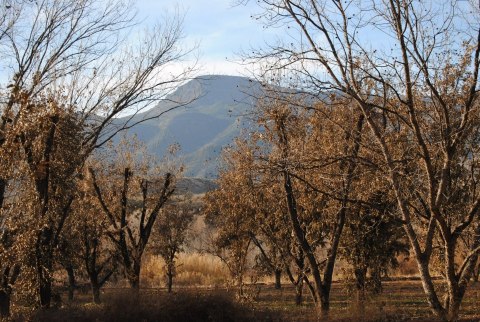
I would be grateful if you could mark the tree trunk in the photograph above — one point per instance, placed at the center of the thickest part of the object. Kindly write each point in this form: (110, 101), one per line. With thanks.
(360, 277)
(278, 279)
(299, 292)
(429, 289)
(134, 282)
(322, 289)
(325, 301)
(454, 309)
(45, 290)
(133, 273)
(3, 186)
(239, 285)
(44, 268)
(95, 286)
(44, 265)
(95, 292)
(321, 293)
(476, 274)
(134, 277)
(169, 279)
(71, 282)
(5, 303)
(376, 277)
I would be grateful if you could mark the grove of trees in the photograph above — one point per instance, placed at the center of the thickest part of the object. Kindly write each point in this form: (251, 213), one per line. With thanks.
(365, 149)
(390, 103)
(69, 68)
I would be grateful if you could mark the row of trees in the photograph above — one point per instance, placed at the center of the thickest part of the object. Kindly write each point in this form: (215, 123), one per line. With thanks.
(69, 69)
(389, 128)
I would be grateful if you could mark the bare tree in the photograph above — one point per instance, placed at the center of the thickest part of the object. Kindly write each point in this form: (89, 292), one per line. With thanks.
(306, 201)
(307, 158)
(245, 207)
(418, 91)
(131, 194)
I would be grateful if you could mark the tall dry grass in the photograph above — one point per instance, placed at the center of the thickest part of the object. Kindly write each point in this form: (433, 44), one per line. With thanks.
(193, 270)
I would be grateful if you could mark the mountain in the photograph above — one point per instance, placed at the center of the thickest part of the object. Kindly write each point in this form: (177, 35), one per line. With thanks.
(215, 115)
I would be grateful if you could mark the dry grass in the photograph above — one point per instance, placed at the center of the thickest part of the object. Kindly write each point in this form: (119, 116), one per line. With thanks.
(200, 295)
(407, 267)
(193, 270)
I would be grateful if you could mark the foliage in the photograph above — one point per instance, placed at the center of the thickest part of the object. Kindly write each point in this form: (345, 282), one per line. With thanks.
(418, 93)
(296, 155)
(171, 232)
(69, 70)
(372, 242)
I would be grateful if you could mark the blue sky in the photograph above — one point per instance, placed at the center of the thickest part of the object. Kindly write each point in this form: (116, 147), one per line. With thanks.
(221, 29)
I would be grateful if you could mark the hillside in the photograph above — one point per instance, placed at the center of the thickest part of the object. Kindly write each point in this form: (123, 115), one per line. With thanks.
(203, 127)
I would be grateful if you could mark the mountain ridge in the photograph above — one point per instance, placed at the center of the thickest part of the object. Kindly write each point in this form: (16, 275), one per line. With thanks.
(214, 116)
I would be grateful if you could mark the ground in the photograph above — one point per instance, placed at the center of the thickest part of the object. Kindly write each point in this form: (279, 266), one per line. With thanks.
(401, 300)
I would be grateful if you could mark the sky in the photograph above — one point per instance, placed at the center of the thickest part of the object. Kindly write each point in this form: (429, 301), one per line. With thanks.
(221, 29)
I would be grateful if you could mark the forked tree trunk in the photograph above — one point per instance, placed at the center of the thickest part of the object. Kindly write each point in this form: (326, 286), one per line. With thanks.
(133, 275)
(96, 283)
(321, 291)
(428, 286)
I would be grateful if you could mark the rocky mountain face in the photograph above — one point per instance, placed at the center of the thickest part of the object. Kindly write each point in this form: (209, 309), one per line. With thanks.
(218, 109)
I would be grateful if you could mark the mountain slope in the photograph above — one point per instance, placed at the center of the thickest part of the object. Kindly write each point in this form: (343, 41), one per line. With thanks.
(203, 127)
